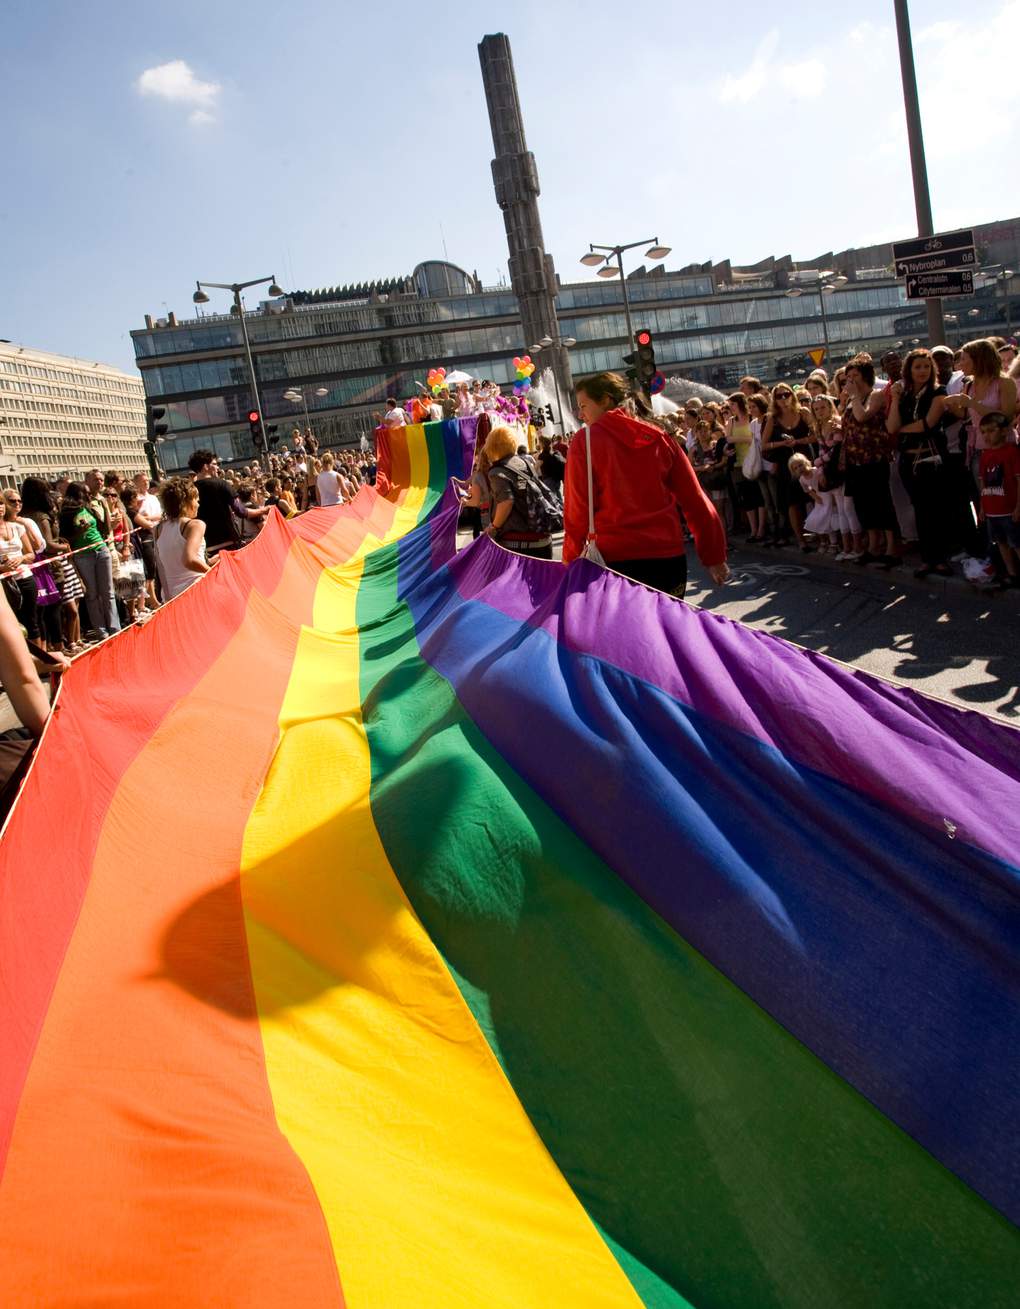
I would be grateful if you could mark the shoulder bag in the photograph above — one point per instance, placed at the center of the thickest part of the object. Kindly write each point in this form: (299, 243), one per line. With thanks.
(591, 550)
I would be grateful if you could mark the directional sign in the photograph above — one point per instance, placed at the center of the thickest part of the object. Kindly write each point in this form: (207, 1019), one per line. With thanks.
(935, 263)
(817, 356)
(921, 246)
(929, 286)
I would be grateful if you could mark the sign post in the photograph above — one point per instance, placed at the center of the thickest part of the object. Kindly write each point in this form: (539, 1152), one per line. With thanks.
(936, 266)
(926, 286)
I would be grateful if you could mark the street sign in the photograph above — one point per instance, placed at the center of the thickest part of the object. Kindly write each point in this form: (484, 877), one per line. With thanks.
(921, 246)
(929, 286)
(817, 356)
(656, 384)
(935, 263)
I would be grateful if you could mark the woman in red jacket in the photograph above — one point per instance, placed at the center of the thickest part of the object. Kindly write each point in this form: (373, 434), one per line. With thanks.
(641, 481)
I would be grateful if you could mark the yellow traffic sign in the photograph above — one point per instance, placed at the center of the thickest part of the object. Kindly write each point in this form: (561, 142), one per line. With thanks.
(817, 356)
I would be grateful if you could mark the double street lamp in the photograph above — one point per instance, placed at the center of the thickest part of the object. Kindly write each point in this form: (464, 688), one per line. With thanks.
(298, 395)
(543, 344)
(200, 298)
(602, 254)
(1002, 278)
(827, 283)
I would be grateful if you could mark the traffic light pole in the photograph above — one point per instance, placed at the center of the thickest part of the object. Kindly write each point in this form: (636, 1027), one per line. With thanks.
(237, 287)
(264, 452)
(626, 296)
(616, 251)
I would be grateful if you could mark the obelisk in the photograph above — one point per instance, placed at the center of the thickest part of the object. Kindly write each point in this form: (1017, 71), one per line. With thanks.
(515, 177)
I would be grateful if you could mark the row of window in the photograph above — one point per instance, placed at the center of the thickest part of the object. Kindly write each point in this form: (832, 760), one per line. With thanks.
(212, 374)
(10, 384)
(211, 411)
(716, 346)
(425, 350)
(591, 294)
(335, 320)
(8, 404)
(67, 425)
(329, 320)
(127, 386)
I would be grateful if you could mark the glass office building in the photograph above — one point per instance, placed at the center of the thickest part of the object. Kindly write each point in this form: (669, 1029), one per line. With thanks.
(358, 345)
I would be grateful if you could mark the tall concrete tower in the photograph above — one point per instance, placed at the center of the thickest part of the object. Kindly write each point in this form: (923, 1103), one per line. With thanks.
(515, 176)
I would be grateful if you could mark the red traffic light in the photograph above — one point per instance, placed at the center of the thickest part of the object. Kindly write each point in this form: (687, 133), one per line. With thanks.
(644, 337)
(253, 416)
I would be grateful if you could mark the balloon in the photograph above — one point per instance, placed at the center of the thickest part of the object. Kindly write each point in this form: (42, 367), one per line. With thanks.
(517, 362)
(526, 359)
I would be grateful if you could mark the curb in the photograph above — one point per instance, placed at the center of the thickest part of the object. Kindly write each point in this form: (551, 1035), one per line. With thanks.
(902, 575)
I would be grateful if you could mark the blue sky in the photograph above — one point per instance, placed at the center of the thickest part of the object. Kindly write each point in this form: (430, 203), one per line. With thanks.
(328, 143)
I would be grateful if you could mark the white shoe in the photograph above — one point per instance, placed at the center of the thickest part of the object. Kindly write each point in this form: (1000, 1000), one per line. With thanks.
(841, 556)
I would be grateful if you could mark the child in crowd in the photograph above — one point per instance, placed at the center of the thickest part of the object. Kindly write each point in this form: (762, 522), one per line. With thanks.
(999, 478)
(821, 520)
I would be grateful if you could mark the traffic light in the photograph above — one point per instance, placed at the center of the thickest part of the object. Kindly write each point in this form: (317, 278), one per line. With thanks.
(155, 429)
(643, 371)
(255, 428)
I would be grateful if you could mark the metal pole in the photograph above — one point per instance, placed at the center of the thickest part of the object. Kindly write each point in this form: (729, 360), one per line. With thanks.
(825, 324)
(264, 452)
(626, 297)
(304, 402)
(918, 167)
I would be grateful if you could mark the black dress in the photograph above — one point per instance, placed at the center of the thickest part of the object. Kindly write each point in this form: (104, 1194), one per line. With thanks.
(788, 489)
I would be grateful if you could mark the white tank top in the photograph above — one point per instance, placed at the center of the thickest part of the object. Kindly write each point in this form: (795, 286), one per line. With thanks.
(174, 573)
(329, 487)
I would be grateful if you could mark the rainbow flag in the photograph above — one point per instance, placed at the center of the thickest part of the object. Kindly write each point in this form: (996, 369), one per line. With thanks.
(396, 928)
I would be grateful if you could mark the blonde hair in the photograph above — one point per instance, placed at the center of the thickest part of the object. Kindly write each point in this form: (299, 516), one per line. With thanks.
(327, 460)
(799, 464)
(500, 442)
(985, 358)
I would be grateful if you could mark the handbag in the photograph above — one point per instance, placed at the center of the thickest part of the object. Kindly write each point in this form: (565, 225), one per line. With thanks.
(591, 550)
(46, 592)
(751, 466)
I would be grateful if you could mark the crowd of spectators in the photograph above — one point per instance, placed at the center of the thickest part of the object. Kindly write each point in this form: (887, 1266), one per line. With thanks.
(871, 465)
(915, 461)
(80, 561)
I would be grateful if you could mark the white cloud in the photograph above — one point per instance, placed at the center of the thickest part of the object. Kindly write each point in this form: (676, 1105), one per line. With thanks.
(938, 33)
(739, 90)
(805, 80)
(802, 80)
(176, 83)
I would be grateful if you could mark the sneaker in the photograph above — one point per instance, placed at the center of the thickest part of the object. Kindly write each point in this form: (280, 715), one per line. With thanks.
(842, 556)
(865, 558)
(960, 557)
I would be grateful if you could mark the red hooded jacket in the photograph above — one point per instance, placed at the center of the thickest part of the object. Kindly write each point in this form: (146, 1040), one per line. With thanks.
(639, 476)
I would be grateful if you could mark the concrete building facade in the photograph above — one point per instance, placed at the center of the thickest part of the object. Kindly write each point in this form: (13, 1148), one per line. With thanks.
(347, 348)
(61, 415)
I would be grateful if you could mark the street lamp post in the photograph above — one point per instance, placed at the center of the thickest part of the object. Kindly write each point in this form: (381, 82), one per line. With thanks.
(297, 393)
(565, 342)
(200, 298)
(601, 254)
(827, 284)
(1003, 278)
